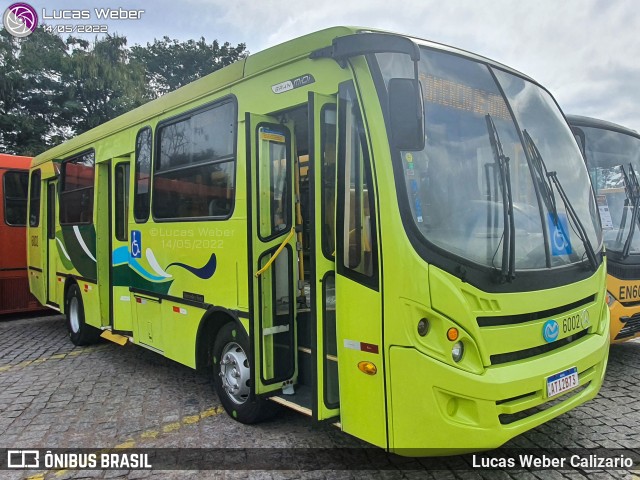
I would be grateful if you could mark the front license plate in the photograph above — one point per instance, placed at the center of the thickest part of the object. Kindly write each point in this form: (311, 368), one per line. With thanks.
(561, 382)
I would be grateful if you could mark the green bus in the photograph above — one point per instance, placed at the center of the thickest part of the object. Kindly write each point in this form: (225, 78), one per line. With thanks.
(381, 232)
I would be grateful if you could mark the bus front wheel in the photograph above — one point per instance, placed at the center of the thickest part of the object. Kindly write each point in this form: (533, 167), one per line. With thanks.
(232, 377)
(79, 332)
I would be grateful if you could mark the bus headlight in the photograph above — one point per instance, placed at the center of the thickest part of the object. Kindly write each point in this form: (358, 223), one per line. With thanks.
(610, 299)
(457, 351)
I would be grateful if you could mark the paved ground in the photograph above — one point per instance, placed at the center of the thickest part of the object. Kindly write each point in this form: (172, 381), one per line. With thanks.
(53, 394)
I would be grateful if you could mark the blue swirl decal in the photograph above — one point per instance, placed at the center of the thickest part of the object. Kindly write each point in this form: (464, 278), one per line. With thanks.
(121, 256)
(204, 272)
(133, 263)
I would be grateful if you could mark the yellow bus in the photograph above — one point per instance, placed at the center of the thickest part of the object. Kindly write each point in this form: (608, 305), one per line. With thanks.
(375, 230)
(612, 153)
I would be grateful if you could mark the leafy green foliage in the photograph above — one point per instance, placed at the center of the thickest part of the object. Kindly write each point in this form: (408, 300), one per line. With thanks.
(170, 64)
(31, 92)
(52, 89)
(100, 83)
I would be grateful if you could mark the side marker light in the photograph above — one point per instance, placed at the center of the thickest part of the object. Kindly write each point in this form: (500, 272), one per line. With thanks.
(368, 368)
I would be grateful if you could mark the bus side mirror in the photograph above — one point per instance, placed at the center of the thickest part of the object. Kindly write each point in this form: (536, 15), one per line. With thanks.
(406, 114)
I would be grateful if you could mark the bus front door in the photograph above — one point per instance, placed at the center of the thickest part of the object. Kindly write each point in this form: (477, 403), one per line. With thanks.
(274, 255)
(52, 247)
(322, 176)
(358, 279)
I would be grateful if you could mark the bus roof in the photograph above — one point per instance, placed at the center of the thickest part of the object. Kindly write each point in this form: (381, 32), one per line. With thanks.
(14, 162)
(580, 121)
(266, 59)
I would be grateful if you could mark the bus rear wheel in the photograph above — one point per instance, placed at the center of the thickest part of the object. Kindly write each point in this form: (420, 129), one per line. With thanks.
(232, 377)
(79, 332)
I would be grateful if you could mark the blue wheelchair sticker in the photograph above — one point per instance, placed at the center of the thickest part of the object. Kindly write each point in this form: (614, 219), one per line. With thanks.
(559, 234)
(136, 244)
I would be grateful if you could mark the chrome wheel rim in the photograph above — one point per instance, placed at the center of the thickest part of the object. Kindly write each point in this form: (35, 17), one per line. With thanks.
(235, 373)
(74, 315)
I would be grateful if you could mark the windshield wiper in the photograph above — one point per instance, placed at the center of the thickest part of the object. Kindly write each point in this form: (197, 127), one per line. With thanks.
(507, 272)
(632, 191)
(542, 174)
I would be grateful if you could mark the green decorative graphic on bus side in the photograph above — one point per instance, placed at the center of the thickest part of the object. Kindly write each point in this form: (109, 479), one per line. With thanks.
(77, 249)
(62, 252)
(123, 277)
(129, 271)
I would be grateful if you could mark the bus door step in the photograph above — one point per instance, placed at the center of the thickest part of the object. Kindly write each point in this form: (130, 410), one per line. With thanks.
(114, 337)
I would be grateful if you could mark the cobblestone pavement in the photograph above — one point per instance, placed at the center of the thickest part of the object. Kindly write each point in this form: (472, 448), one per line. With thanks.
(55, 395)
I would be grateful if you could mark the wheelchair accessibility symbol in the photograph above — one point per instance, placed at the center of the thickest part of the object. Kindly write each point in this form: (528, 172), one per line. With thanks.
(559, 234)
(136, 244)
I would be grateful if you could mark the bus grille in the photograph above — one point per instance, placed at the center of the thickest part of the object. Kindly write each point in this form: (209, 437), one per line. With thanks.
(631, 326)
(508, 418)
(500, 358)
(499, 321)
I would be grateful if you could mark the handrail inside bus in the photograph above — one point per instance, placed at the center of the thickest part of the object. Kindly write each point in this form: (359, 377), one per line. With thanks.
(277, 252)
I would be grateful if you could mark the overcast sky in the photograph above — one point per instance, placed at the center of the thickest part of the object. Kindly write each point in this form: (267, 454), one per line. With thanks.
(584, 51)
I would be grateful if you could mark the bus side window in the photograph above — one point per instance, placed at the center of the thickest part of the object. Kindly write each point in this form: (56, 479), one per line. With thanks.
(141, 198)
(194, 169)
(358, 212)
(51, 211)
(76, 193)
(581, 139)
(34, 199)
(328, 176)
(15, 198)
(274, 179)
(121, 201)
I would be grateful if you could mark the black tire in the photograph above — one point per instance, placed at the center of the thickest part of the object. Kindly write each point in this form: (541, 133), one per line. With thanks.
(80, 333)
(233, 343)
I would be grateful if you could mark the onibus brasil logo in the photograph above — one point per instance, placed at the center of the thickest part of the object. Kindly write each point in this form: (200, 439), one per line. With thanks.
(20, 19)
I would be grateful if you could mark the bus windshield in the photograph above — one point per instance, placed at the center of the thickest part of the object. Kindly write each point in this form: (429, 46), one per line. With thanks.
(492, 138)
(610, 157)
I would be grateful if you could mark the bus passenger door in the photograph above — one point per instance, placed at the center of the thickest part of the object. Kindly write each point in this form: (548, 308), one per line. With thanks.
(322, 177)
(121, 312)
(357, 285)
(52, 247)
(274, 254)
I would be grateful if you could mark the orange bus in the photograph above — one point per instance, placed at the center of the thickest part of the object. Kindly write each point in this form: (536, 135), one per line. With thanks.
(14, 284)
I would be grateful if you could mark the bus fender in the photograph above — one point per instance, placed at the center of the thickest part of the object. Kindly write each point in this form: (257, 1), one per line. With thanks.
(67, 284)
(210, 324)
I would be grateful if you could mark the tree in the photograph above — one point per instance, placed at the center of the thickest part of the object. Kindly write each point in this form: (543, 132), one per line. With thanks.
(52, 89)
(170, 64)
(31, 94)
(100, 83)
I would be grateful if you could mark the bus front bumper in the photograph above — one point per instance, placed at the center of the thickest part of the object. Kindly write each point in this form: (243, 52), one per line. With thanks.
(437, 409)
